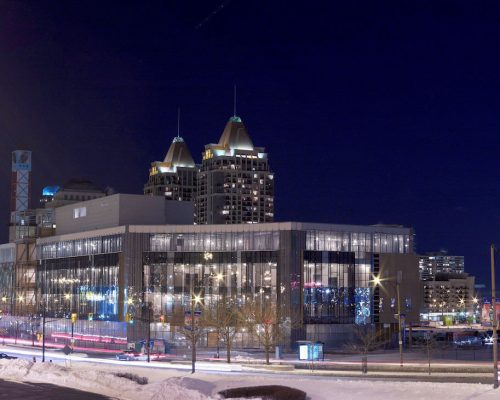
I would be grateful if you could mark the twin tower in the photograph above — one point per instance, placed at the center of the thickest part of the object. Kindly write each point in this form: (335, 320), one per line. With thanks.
(233, 184)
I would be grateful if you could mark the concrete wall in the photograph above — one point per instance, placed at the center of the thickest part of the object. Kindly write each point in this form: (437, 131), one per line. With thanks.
(179, 212)
(410, 287)
(100, 213)
(140, 209)
(122, 209)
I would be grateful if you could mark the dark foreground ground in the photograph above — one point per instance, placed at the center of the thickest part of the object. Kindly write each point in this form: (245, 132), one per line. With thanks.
(43, 391)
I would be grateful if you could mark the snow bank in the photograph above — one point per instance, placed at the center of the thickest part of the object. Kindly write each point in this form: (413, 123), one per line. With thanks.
(105, 383)
(178, 388)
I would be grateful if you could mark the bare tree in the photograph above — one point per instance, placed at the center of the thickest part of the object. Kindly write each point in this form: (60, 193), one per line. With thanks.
(192, 328)
(264, 319)
(226, 319)
(366, 339)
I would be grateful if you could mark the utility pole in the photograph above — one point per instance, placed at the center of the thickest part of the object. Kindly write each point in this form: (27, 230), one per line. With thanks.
(400, 339)
(149, 331)
(495, 322)
(44, 310)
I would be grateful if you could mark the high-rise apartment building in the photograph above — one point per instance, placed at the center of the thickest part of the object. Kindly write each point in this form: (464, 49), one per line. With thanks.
(175, 177)
(235, 184)
(431, 264)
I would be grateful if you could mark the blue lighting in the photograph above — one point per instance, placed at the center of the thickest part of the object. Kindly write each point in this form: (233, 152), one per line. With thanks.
(362, 298)
(50, 190)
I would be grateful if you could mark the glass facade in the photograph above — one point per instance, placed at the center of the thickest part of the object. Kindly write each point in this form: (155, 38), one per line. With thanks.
(324, 274)
(7, 258)
(329, 283)
(86, 285)
(171, 277)
(81, 247)
(358, 242)
(215, 241)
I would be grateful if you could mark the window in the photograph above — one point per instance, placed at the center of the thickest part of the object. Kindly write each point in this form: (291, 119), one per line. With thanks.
(79, 212)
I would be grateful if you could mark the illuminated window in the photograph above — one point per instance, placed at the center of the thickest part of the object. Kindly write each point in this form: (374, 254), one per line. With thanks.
(79, 212)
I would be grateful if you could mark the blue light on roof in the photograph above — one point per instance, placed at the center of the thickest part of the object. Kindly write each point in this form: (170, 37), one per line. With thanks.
(50, 190)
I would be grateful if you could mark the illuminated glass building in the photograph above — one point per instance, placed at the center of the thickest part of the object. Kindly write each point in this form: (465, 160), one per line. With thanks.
(317, 273)
(235, 184)
(175, 177)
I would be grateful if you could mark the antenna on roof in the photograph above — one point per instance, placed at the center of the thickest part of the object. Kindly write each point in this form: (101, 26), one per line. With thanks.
(234, 101)
(178, 122)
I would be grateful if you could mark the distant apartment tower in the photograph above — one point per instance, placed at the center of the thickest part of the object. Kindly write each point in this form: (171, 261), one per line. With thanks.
(431, 264)
(449, 293)
(235, 184)
(175, 177)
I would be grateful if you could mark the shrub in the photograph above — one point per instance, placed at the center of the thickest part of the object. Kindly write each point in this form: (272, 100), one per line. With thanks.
(141, 380)
(273, 392)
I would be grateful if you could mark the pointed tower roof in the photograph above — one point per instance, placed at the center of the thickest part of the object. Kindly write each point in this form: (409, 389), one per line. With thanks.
(235, 135)
(178, 154)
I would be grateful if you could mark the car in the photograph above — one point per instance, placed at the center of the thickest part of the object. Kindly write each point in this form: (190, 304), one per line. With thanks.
(127, 356)
(7, 357)
(468, 341)
(487, 340)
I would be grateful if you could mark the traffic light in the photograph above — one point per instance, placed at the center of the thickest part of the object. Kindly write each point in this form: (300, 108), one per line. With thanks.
(91, 316)
(74, 317)
(129, 318)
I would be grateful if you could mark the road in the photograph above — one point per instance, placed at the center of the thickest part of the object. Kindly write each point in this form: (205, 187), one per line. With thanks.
(43, 391)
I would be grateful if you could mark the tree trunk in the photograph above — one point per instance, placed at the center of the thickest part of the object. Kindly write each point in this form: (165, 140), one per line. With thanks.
(267, 354)
(193, 353)
(228, 350)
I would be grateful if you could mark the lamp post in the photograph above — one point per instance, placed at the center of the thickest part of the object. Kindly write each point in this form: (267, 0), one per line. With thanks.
(195, 299)
(44, 308)
(378, 281)
(475, 302)
(398, 282)
(149, 311)
(494, 322)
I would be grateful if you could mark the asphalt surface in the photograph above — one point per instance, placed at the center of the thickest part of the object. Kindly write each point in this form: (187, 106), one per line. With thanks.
(43, 391)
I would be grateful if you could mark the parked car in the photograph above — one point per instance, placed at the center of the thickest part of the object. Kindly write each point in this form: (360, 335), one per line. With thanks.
(7, 357)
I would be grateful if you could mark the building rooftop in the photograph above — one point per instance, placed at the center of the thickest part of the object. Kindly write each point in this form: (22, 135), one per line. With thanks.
(178, 154)
(235, 135)
(263, 227)
(81, 185)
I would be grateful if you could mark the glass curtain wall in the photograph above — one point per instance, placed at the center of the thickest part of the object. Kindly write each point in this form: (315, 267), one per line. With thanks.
(237, 265)
(170, 278)
(329, 287)
(363, 245)
(6, 279)
(85, 285)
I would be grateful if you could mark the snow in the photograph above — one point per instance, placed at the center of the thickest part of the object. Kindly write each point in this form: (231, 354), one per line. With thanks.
(180, 385)
(104, 382)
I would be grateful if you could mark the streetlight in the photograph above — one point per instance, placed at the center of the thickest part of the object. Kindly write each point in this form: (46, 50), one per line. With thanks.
(44, 308)
(495, 322)
(378, 281)
(195, 299)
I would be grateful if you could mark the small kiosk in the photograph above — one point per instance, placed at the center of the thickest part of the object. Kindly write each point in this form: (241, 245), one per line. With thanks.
(311, 351)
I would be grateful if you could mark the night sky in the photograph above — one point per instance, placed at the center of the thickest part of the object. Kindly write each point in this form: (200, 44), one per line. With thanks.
(372, 111)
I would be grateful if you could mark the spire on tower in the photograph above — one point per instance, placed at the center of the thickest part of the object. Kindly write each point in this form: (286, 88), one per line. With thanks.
(234, 101)
(178, 122)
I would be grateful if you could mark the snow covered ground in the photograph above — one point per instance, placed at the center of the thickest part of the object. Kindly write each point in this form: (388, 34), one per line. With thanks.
(180, 385)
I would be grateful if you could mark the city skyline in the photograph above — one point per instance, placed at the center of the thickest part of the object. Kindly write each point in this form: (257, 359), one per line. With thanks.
(353, 139)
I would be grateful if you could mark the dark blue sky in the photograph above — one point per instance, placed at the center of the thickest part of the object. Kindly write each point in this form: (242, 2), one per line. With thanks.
(371, 111)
